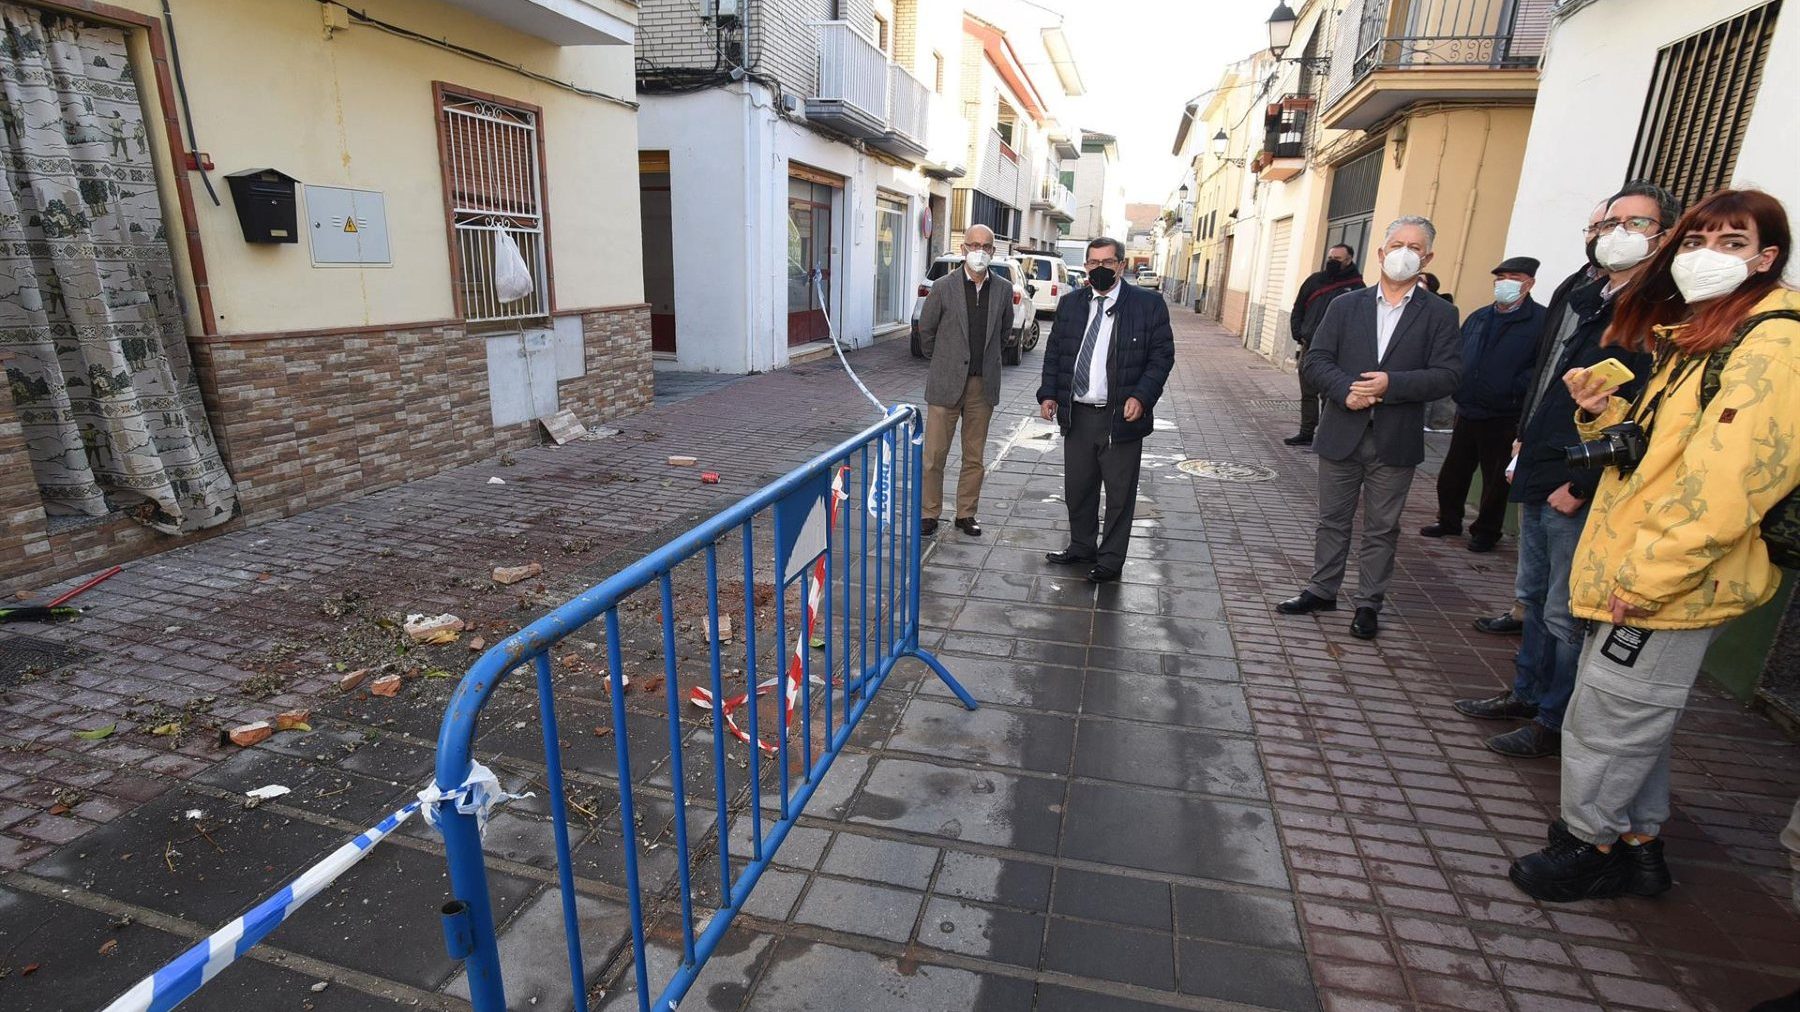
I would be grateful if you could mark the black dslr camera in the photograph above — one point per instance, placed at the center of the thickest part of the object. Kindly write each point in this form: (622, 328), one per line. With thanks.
(1621, 446)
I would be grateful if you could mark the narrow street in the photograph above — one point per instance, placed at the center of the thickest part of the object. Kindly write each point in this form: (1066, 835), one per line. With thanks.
(1171, 798)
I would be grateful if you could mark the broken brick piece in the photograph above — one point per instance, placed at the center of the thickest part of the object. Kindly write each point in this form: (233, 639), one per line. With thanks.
(291, 719)
(353, 679)
(681, 460)
(386, 685)
(477, 645)
(433, 628)
(249, 734)
(508, 575)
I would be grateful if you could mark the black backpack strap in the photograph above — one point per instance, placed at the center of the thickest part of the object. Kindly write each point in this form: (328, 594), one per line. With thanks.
(1715, 362)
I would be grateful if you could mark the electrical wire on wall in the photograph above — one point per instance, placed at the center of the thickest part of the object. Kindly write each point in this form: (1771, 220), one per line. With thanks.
(187, 114)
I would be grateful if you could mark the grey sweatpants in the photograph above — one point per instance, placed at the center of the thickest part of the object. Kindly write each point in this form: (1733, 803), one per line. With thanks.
(1629, 694)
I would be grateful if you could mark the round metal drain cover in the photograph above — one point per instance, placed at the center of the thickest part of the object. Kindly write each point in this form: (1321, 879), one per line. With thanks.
(1225, 470)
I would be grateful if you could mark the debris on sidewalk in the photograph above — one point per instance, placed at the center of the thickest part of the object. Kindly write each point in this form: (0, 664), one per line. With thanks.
(681, 460)
(496, 481)
(249, 734)
(709, 477)
(477, 645)
(293, 720)
(96, 733)
(349, 682)
(563, 426)
(267, 791)
(506, 576)
(724, 628)
(433, 629)
(386, 685)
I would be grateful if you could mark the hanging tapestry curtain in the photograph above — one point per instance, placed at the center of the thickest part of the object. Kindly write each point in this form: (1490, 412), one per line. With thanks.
(97, 357)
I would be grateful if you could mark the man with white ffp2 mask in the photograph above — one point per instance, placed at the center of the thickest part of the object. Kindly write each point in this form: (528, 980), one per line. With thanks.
(1379, 356)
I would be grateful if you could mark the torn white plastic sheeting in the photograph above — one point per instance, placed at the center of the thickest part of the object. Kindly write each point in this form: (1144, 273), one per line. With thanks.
(479, 793)
(496, 481)
(266, 792)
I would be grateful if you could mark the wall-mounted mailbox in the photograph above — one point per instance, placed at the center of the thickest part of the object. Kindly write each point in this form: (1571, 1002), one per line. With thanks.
(266, 206)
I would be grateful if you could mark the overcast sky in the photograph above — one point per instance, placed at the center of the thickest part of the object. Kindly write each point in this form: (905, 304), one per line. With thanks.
(1141, 61)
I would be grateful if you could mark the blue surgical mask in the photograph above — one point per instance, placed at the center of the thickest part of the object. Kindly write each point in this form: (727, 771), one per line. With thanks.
(1507, 291)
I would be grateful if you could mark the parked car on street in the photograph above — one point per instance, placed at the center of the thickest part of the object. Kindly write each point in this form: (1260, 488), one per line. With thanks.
(1078, 277)
(1025, 331)
(1148, 278)
(1047, 273)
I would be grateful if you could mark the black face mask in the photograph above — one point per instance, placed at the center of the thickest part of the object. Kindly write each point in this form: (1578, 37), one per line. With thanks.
(1102, 278)
(1336, 267)
(1591, 243)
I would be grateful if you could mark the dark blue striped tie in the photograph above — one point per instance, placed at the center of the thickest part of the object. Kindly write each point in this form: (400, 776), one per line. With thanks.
(1084, 360)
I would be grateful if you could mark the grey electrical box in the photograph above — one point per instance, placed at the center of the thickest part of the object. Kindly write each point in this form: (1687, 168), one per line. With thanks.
(348, 228)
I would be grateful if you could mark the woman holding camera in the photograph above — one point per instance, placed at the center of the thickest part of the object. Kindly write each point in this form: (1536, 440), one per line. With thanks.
(1671, 551)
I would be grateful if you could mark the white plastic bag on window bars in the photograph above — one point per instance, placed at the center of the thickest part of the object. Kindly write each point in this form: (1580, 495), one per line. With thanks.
(512, 279)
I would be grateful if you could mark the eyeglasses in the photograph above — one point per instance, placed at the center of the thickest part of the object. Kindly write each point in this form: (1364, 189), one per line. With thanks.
(1642, 226)
(971, 247)
(1109, 262)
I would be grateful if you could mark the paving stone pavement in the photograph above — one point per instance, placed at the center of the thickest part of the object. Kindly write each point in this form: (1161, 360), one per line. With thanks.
(1171, 797)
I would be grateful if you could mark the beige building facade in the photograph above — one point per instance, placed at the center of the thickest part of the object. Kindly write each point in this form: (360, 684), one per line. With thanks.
(370, 348)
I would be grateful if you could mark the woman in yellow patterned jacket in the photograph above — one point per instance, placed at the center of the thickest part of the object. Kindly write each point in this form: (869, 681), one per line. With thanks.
(1672, 549)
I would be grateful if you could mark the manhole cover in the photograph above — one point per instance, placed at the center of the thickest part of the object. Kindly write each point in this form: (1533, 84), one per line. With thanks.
(1274, 404)
(1225, 470)
(23, 655)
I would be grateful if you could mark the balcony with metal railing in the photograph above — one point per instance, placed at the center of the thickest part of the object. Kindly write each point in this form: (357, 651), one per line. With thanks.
(852, 92)
(1393, 53)
(1054, 197)
(947, 147)
(908, 117)
(1283, 154)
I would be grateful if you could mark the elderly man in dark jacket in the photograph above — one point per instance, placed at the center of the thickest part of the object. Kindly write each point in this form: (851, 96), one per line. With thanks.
(1500, 343)
(1109, 353)
(1316, 292)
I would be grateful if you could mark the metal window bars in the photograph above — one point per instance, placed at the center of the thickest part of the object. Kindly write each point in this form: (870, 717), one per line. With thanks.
(495, 183)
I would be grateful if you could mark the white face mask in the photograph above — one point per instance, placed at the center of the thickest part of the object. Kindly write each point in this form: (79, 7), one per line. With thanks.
(1508, 291)
(1400, 264)
(1703, 274)
(978, 260)
(1620, 250)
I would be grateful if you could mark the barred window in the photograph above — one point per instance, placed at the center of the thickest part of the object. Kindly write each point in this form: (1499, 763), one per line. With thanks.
(493, 181)
(1699, 104)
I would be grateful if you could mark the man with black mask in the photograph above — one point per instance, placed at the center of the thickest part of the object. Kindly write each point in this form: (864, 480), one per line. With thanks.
(1316, 292)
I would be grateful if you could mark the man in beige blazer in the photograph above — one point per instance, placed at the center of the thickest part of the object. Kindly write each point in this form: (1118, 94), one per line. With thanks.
(961, 328)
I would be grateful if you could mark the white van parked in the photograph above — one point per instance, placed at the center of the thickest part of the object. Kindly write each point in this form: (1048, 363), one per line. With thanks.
(1048, 274)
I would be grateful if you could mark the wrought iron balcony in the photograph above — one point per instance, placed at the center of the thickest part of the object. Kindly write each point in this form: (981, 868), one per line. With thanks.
(1407, 51)
(852, 93)
(909, 116)
(1285, 125)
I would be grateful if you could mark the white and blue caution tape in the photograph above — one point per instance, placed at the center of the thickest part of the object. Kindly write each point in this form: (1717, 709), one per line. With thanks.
(189, 972)
(818, 280)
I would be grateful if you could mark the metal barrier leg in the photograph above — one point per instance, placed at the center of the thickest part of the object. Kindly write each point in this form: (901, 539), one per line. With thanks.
(916, 452)
(468, 881)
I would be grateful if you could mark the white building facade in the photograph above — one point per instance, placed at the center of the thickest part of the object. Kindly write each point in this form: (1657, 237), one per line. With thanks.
(1733, 65)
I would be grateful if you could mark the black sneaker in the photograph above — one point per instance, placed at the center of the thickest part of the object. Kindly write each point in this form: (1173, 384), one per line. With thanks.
(1570, 870)
(1649, 871)
(1532, 741)
(1505, 706)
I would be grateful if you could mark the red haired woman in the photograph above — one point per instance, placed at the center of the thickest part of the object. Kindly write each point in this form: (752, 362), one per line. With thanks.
(1672, 550)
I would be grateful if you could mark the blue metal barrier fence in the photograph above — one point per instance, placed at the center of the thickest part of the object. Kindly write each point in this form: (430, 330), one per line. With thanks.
(845, 531)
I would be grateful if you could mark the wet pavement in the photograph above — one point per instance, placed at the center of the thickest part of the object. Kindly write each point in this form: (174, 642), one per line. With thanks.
(1171, 798)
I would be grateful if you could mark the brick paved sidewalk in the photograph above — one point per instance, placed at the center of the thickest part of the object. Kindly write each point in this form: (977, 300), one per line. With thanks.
(1171, 798)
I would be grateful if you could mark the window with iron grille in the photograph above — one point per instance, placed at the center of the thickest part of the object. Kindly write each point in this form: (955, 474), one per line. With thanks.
(972, 207)
(1699, 104)
(493, 184)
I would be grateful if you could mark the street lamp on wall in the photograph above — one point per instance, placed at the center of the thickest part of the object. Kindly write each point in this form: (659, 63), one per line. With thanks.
(1281, 35)
(1220, 143)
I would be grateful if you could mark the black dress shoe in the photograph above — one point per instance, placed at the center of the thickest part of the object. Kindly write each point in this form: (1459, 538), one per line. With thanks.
(1499, 625)
(1440, 531)
(928, 526)
(1532, 741)
(1649, 871)
(1103, 574)
(1068, 557)
(1307, 603)
(1479, 545)
(1303, 439)
(1365, 625)
(1570, 870)
(1505, 706)
(968, 526)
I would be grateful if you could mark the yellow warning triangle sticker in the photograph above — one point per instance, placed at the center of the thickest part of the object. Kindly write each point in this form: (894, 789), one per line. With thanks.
(349, 224)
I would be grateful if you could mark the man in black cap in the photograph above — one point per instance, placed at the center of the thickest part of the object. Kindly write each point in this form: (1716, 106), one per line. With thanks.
(1499, 349)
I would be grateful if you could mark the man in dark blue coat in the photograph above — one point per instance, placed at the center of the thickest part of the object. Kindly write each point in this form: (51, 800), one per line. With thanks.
(1108, 356)
(1499, 348)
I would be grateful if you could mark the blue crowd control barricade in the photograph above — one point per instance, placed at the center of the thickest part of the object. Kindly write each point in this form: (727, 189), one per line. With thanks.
(725, 732)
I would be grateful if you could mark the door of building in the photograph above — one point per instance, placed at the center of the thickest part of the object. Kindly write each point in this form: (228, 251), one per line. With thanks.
(890, 260)
(810, 256)
(656, 214)
(1274, 293)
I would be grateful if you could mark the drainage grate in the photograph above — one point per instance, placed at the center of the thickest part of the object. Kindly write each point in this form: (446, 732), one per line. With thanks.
(28, 655)
(1225, 470)
(1274, 404)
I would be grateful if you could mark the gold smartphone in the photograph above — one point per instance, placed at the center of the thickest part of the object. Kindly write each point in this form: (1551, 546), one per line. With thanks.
(1612, 371)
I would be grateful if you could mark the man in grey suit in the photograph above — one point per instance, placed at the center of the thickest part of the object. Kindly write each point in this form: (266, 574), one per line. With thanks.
(1379, 357)
(961, 327)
